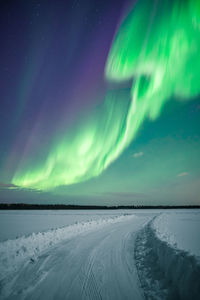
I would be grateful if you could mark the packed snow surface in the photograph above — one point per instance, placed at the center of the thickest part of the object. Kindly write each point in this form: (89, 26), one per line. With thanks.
(14, 252)
(87, 260)
(119, 254)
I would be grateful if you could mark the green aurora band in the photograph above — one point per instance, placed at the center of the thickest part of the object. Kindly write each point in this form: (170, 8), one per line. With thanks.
(157, 46)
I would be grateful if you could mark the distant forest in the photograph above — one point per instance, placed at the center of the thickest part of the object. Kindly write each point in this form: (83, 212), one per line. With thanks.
(4, 206)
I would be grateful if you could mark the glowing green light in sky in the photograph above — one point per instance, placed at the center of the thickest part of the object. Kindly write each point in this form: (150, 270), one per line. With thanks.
(157, 46)
(87, 153)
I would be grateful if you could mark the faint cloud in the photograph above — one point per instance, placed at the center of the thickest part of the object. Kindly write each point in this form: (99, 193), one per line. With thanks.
(10, 186)
(138, 154)
(183, 174)
(7, 186)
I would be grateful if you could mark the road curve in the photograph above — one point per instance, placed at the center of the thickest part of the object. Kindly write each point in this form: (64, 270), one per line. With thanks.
(94, 265)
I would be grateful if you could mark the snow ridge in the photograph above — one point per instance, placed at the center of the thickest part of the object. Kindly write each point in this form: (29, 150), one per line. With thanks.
(165, 272)
(26, 249)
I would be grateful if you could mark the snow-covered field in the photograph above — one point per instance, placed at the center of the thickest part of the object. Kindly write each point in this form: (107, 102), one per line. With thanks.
(15, 223)
(108, 254)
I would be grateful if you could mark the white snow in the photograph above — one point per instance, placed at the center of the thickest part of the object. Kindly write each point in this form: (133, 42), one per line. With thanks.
(180, 231)
(14, 252)
(88, 260)
(16, 223)
(93, 254)
(167, 256)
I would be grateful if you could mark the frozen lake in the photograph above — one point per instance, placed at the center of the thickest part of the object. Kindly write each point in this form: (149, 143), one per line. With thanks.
(99, 254)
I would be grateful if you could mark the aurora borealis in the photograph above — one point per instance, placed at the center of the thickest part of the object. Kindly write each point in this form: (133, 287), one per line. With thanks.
(79, 115)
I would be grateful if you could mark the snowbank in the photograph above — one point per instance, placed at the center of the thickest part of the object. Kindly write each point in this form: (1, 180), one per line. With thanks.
(15, 252)
(17, 223)
(166, 271)
(179, 230)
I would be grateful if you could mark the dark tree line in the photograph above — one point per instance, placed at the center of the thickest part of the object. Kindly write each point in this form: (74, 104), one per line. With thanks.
(4, 206)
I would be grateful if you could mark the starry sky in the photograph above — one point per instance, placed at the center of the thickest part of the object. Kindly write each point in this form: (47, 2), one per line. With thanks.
(100, 102)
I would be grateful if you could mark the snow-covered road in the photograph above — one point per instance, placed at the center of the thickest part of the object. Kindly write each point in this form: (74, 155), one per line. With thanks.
(93, 265)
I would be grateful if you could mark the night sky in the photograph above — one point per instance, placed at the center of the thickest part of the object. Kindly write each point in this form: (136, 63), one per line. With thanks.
(100, 102)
